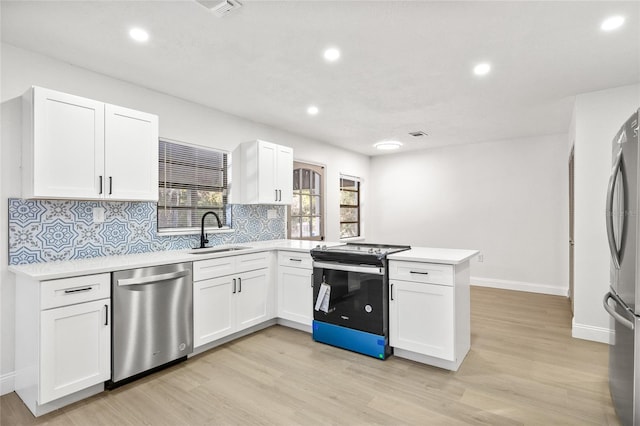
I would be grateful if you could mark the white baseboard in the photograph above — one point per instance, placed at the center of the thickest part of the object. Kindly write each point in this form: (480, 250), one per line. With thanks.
(589, 332)
(520, 286)
(7, 383)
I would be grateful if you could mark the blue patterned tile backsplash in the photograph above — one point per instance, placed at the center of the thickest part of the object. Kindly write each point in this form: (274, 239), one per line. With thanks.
(50, 230)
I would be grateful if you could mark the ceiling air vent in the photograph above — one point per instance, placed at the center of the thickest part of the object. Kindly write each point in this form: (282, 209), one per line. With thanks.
(418, 134)
(220, 8)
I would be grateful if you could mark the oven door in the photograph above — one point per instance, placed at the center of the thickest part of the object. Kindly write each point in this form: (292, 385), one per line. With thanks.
(357, 298)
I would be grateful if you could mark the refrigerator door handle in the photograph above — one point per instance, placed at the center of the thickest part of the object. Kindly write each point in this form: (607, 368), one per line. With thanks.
(622, 320)
(615, 254)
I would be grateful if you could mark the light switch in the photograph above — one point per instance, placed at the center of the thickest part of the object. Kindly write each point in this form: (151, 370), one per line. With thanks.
(98, 214)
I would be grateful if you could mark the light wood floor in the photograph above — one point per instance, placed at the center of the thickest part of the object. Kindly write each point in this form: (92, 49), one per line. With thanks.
(523, 368)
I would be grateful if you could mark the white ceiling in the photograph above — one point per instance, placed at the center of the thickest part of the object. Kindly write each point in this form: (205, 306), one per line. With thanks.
(405, 65)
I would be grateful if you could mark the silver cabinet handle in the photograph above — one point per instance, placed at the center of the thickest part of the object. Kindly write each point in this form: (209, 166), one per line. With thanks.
(391, 291)
(239, 285)
(418, 272)
(311, 280)
(152, 278)
(234, 286)
(100, 185)
(78, 290)
(615, 254)
(110, 185)
(276, 195)
(295, 260)
(622, 320)
(106, 316)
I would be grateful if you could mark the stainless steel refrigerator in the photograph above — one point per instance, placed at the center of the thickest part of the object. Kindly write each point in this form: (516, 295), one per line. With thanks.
(622, 302)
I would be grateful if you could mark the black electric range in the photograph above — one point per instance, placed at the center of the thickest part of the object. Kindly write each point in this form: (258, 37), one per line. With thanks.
(351, 297)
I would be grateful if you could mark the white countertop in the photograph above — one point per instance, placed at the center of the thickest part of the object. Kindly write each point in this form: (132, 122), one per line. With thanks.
(97, 265)
(435, 255)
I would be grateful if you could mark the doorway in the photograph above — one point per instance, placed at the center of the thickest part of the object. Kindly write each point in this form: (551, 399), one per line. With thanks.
(571, 225)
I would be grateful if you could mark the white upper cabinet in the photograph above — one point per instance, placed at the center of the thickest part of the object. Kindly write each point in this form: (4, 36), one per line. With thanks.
(131, 154)
(78, 148)
(262, 173)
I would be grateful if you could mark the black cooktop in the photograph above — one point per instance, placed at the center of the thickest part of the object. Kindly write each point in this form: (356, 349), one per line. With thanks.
(356, 253)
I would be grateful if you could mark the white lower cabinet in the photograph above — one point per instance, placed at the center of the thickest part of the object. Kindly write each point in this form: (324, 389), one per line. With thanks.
(75, 346)
(429, 318)
(421, 318)
(295, 291)
(231, 303)
(63, 340)
(213, 310)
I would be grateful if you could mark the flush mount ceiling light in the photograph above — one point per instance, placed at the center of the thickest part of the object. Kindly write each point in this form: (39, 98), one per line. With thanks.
(387, 145)
(332, 54)
(139, 35)
(482, 68)
(612, 23)
(312, 110)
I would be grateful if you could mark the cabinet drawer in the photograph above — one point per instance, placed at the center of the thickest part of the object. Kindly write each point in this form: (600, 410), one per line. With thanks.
(431, 273)
(69, 291)
(295, 259)
(211, 268)
(250, 262)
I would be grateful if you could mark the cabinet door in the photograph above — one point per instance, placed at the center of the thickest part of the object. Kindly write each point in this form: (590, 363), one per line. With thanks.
(252, 298)
(67, 147)
(295, 294)
(267, 172)
(421, 318)
(213, 310)
(131, 154)
(75, 350)
(284, 172)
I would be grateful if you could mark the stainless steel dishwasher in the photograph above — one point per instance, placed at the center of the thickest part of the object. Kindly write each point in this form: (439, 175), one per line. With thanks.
(152, 321)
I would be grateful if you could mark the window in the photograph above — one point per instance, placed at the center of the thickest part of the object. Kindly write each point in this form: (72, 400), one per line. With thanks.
(306, 212)
(192, 181)
(349, 207)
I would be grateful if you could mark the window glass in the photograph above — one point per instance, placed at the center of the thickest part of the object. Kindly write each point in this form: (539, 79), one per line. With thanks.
(306, 218)
(349, 207)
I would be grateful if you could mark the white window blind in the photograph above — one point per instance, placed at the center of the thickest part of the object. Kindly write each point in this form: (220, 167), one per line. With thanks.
(192, 181)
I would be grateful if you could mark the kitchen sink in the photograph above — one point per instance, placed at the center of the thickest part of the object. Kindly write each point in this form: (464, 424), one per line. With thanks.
(220, 249)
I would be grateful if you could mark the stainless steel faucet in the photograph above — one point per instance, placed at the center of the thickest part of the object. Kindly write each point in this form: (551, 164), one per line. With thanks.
(203, 236)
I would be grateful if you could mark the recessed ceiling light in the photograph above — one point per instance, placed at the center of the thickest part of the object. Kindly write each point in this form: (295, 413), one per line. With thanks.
(387, 145)
(312, 110)
(612, 23)
(482, 68)
(332, 54)
(138, 34)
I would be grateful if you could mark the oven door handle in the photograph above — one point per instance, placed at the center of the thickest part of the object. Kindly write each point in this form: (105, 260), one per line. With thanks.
(376, 270)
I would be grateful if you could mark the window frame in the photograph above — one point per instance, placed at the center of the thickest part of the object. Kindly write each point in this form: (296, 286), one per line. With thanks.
(358, 206)
(320, 169)
(210, 226)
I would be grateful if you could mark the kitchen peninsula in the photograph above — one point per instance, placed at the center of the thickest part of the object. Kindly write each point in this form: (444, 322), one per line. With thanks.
(428, 307)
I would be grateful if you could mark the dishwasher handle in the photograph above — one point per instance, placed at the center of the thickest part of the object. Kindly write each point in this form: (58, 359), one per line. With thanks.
(152, 278)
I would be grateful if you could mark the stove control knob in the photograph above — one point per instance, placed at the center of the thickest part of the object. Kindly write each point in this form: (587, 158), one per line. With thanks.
(324, 247)
(370, 250)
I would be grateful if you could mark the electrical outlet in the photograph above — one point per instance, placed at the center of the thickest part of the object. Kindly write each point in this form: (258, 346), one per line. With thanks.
(98, 214)
(272, 214)
(481, 258)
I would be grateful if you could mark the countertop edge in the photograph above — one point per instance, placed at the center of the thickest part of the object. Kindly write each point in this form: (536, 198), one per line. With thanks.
(107, 264)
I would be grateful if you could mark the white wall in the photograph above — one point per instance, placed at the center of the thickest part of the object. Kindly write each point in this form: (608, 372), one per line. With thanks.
(598, 116)
(179, 120)
(508, 199)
